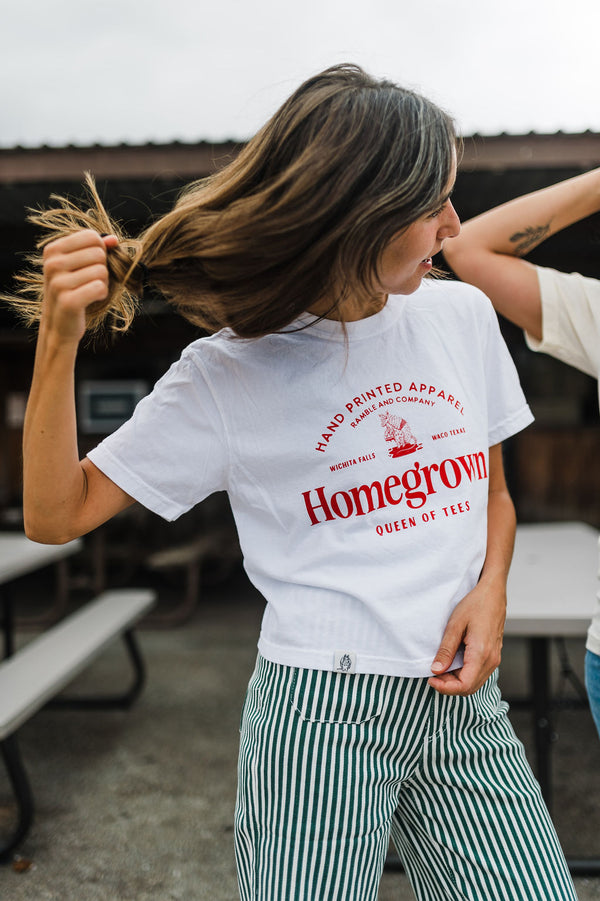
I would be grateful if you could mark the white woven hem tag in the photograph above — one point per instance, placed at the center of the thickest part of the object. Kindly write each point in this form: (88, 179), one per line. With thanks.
(344, 662)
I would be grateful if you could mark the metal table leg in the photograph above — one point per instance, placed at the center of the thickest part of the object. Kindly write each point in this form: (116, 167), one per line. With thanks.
(22, 793)
(544, 734)
(8, 620)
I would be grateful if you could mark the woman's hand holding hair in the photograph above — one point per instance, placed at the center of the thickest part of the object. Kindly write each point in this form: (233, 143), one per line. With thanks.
(61, 277)
(63, 497)
(75, 278)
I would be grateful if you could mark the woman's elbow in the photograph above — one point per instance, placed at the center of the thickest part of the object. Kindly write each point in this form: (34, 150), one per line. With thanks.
(45, 530)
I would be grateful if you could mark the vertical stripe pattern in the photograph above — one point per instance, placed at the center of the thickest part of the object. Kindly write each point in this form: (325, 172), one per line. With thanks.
(331, 764)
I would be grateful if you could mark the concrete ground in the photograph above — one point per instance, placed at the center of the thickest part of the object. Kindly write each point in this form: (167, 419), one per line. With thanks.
(138, 805)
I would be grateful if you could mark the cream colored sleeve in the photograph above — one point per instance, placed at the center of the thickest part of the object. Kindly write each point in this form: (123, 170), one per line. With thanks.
(570, 319)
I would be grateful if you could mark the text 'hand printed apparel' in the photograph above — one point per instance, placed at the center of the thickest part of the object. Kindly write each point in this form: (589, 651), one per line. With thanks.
(357, 469)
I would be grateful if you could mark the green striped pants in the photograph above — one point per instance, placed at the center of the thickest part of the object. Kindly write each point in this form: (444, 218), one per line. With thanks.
(333, 764)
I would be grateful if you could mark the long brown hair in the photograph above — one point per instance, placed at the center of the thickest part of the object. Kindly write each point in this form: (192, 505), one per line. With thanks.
(301, 215)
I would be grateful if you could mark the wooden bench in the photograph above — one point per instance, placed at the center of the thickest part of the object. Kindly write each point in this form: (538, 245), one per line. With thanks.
(34, 675)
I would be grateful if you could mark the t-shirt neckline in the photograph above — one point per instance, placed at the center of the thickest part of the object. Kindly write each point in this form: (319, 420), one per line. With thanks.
(355, 330)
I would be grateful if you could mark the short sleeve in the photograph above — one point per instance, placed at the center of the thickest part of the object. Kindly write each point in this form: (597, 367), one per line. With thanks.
(173, 451)
(570, 319)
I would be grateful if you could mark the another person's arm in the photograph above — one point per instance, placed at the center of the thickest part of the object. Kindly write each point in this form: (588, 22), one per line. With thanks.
(488, 251)
(64, 497)
(478, 620)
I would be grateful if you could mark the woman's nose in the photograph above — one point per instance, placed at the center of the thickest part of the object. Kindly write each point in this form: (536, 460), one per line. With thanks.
(451, 223)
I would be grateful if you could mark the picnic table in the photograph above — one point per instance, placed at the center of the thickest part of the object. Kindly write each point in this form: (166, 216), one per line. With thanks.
(552, 587)
(36, 673)
(19, 557)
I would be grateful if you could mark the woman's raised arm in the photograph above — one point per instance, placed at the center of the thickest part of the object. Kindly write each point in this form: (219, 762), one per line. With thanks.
(488, 251)
(64, 497)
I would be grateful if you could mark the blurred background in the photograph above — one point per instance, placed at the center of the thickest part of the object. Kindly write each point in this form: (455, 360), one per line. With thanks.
(148, 96)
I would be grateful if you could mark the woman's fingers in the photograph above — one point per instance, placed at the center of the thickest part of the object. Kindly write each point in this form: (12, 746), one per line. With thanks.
(78, 259)
(70, 262)
(75, 276)
(70, 280)
(60, 257)
(85, 237)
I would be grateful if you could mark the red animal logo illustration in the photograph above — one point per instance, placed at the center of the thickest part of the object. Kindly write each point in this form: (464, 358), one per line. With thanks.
(397, 429)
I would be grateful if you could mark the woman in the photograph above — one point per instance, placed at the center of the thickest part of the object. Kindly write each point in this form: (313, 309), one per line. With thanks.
(355, 417)
(560, 312)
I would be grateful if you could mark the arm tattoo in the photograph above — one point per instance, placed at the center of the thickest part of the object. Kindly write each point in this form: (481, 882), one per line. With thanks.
(529, 238)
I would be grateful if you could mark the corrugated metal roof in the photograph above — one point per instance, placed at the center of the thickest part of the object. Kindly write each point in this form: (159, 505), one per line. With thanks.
(188, 161)
(176, 159)
(533, 150)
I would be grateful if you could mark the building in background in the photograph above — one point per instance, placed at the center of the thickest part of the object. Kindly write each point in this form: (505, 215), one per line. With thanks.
(552, 467)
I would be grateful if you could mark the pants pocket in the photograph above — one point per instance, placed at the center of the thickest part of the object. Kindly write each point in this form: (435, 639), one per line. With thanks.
(320, 696)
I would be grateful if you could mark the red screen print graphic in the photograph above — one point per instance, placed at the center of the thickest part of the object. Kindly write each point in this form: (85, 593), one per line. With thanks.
(397, 430)
(365, 406)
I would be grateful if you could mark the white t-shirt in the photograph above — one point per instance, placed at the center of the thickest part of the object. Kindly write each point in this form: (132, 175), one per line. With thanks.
(571, 333)
(356, 469)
